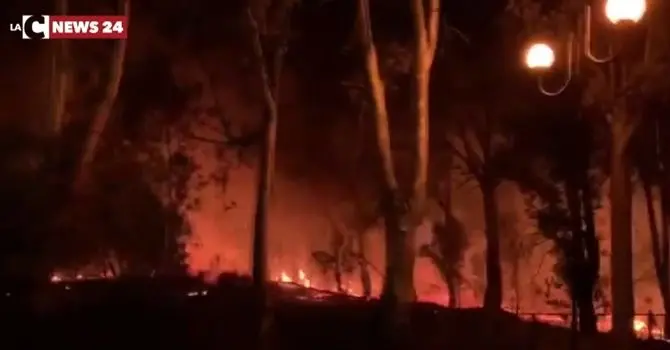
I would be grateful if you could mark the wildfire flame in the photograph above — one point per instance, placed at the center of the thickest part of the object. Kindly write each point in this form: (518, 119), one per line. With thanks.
(55, 278)
(643, 330)
(301, 279)
(304, 280)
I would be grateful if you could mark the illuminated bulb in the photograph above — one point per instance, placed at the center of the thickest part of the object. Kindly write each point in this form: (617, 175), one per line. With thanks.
(540, 56)
(625, 10)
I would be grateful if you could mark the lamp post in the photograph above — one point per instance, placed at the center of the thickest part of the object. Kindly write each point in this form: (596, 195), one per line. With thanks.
(540, 58)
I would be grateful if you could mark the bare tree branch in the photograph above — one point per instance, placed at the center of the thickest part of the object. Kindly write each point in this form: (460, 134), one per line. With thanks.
(475, 162)
(459, 33)
(460, 155)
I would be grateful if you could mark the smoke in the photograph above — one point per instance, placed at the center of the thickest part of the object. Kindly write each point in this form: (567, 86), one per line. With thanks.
(221, 242)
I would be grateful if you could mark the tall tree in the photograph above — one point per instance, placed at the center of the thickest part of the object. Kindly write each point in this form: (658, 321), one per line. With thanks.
(401, 213)
(567, 193)
(450, 241)
(484, 167)
(270, 26)
(478, 133)
(632, 80)
(426, 19)
(58, 159)
(614, 85)
(59, 76)
(651, 151)
(104, 108)
(446, 252)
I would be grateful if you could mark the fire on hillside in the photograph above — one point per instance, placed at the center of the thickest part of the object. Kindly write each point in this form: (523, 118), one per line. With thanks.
(316, 292)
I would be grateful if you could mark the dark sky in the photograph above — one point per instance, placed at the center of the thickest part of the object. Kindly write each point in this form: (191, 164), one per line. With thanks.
(325, 28)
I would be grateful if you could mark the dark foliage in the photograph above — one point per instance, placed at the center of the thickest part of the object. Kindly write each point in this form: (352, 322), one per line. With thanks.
(563, 198)
(159, 312)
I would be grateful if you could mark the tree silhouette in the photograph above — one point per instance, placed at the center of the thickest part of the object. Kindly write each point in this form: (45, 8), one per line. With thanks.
(446, 252)
(616, 88)
(564, 198)
(650, 150)
(401, 213)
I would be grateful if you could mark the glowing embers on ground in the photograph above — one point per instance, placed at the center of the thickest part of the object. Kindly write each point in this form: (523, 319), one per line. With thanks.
(57, 277)
(604, 324)
(301, 280)
(642, 330)
(196, 293)
(316, 290)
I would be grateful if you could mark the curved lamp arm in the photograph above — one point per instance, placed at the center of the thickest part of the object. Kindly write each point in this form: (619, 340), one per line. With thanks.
(568, 76)
(587, 40)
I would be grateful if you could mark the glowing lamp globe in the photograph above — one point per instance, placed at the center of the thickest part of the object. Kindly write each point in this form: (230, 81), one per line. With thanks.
(618, 11)
(540, 56)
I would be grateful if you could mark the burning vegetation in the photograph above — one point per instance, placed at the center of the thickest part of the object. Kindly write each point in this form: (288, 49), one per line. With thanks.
(314, 289)
(321, 146)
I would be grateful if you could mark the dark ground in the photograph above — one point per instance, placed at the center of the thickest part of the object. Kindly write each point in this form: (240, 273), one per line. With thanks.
(159, 314)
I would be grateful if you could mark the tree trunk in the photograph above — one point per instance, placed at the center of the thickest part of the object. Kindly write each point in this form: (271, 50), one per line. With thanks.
(663, 273)
(574, 325)
(662, 133)
(60, 68)
(574, 255)
(366, 280)
(425, 43)
(582, 256)
(104, 109)
(659, 241)
(401, 220)
(664, 251)
(270, 77)
(453, 288)
(493, 295)
(587, 315)
(517, 282)
(621, 226)
(340, 256)
(397, 288)
(426, 23)
(446, 190)
(450, 274)
(53, 127)
(364, 273)
(449, 277)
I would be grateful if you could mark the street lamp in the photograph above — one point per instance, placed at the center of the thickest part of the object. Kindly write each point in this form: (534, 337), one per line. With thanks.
(622, 124)
(540, 56)
(625, 10)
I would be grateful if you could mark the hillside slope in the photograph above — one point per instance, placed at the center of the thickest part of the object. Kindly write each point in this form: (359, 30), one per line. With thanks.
(188, 315)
